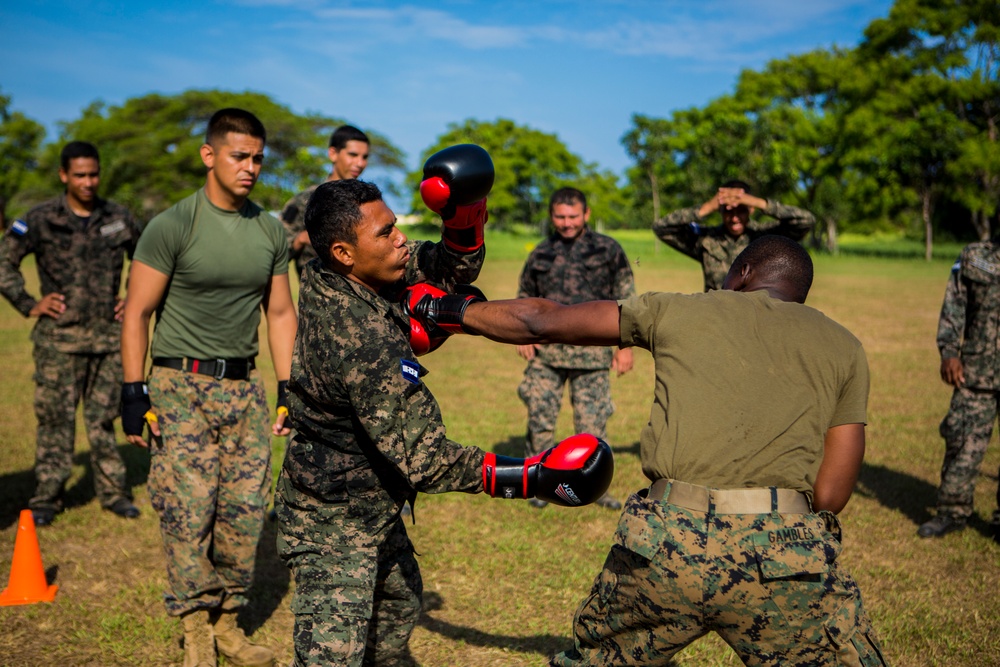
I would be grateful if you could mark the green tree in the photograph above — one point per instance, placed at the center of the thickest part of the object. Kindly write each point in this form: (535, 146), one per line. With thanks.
(150, 147)
(529, 165)
(20, 139)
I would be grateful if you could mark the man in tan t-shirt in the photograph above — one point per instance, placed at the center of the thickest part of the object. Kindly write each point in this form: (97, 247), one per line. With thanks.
(752, 452)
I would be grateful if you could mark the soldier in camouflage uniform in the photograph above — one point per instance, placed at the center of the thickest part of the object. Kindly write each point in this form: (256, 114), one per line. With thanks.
(574, 264)
(210, 473)
(348, 152)
(368, 433)
(79, 241)
(738, 532)
(717, 247)
(969, 341)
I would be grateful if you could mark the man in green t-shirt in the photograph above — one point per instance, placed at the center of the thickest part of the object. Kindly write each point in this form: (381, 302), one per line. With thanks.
(751, 452)
(207, 268)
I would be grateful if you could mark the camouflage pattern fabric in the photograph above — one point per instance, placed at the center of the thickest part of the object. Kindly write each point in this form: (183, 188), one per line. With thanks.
(368, 436)
(81, 259)
(354, 605)
(293, 217)
(715, 249)
(61, 381)
(969, 329)
(541, 391)
(768, 584)
(209, 482)
(592, 267)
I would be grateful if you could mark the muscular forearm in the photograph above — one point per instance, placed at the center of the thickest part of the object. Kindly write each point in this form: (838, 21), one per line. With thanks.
(843, 452)
(533, 321)
(135, 340)
(281, 340)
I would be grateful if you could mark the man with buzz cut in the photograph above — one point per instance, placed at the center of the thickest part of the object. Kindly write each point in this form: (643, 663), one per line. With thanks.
(348, 155)
(79, 242)
(207, 267)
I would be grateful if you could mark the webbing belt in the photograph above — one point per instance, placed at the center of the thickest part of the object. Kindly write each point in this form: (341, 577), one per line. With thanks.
(729, 501)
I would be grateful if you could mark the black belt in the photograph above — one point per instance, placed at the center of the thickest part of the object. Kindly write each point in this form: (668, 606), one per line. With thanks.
(220, 369)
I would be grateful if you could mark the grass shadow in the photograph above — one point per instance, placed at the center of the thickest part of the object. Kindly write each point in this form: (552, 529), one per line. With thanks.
(271, 581)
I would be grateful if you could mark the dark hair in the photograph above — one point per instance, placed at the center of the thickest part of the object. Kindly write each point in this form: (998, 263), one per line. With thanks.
(77, 149)
(234, 120)
(778, 259)
(736, 183)
(568, 196)
(346, 133)
(334, 211)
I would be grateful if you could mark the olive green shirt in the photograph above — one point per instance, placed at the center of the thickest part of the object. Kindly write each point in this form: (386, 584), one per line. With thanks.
(746, 387)
(220, 264)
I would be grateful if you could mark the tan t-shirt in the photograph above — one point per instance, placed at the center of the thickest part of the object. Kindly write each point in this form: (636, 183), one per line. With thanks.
(746, 387)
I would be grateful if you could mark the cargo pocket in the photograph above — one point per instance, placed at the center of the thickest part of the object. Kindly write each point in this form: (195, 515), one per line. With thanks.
(622, 587)
(852, 636)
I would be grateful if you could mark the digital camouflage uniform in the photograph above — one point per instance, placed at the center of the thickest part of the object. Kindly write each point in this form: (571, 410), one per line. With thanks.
(590, 267)
(77, 355)
(764, 577)
(969, 330)
(293, 217)
(715, 249)
(368, 437)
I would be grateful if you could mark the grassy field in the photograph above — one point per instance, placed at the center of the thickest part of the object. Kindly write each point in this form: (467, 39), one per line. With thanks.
(501, 579)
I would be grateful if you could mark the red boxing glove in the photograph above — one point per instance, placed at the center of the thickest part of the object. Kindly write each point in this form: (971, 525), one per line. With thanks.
(575, 472)
(455, 183)
(421, 340)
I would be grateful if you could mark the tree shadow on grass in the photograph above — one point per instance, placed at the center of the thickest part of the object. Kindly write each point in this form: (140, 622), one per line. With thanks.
(544, 645)
(16, 488)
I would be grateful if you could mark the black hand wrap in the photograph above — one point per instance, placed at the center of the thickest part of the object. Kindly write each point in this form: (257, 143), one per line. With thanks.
(135, 405)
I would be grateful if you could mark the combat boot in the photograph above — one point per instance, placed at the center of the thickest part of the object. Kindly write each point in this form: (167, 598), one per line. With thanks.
(941, 525)
(233, 644)
(199, 647)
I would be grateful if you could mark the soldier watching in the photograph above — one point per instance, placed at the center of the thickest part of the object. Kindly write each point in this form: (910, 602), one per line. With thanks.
(80, 242)
(716, 247)
(967, 339)
(573, 264)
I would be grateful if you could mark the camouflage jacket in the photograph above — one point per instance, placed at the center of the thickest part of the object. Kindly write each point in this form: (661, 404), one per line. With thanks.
(715, 249)
(969, 326)
(293, 217)
(81, 260)
(591, 267)
(369, 432)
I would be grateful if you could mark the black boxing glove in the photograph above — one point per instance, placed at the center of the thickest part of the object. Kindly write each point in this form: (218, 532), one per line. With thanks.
(455, 183)
(135, 407)
(575, 472)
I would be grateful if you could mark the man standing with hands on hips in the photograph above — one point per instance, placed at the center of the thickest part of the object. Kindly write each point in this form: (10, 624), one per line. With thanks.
(207, 267)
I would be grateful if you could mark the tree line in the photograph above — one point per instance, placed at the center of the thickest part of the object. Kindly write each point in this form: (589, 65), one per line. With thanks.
(898, 134)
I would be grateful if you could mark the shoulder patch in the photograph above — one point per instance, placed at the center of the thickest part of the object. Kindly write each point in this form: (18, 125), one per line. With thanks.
(19, 228)
(410, 370)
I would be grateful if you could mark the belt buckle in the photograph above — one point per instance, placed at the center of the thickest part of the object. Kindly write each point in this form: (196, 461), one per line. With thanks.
(220, 369)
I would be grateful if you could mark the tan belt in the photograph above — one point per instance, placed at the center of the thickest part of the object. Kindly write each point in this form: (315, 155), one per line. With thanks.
(729, 501)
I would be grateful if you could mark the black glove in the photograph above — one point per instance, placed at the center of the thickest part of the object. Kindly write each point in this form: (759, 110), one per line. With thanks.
(135, 405)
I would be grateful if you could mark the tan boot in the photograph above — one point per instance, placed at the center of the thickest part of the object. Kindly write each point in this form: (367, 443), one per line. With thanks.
(199, 647)
(233, 644)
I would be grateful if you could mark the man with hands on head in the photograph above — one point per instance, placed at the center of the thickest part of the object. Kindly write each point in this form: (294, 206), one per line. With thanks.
(369, 434)
(737, 532)
(210, 471)
(348, 153)
(716, 247)
(80, 242)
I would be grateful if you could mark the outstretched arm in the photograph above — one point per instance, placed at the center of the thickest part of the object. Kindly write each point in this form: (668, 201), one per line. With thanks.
(528, 321)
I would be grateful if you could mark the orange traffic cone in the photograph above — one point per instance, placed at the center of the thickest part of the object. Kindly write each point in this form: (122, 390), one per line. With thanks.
(27, 583)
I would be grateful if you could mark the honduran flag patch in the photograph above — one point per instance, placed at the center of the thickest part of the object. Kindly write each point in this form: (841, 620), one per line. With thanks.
(411, 371)
(19, 227)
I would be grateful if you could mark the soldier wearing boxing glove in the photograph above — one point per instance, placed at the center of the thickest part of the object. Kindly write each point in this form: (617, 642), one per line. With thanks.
(426, 304)
(370, 434)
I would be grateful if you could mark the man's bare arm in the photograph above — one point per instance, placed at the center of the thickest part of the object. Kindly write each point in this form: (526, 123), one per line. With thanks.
(843, 452)
(528, 321)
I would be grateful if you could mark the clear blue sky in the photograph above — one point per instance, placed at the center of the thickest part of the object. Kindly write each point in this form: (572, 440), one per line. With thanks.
(576, 68)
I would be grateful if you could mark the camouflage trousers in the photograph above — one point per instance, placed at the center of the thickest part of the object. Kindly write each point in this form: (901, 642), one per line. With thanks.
(355, 603)
(61, 381)
(209, 482)
(966, 429)
(541, 390)
(768, 584)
